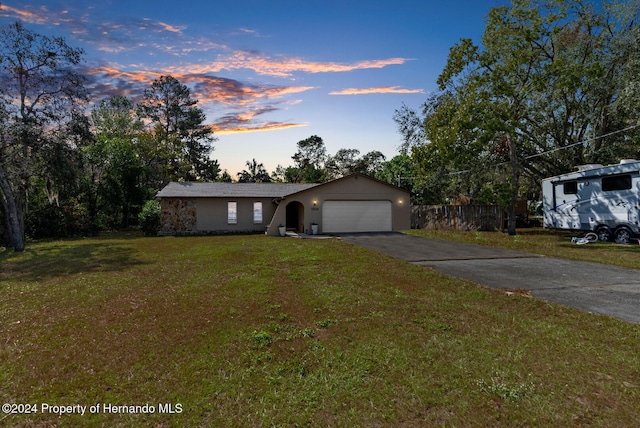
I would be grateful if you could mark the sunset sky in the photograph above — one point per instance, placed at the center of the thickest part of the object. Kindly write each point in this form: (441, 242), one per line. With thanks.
(268, 73)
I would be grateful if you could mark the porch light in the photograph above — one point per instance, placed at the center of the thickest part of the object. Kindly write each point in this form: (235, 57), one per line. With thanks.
(315, 202)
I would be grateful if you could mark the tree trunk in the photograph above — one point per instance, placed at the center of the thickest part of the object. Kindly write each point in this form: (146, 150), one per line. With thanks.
(515, 184)
(125, 215)
(6, 237)
(11, 206)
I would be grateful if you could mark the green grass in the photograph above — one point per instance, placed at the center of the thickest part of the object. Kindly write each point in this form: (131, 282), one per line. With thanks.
(551, 243)
(260, 331)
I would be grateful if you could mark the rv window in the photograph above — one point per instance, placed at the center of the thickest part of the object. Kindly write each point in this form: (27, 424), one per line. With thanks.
(618, 182)
(570, 188)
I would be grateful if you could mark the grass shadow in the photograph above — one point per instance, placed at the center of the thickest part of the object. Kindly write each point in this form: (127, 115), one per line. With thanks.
(67, 258)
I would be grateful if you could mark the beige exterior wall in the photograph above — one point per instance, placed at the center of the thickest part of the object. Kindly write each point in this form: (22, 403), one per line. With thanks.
(350, 188)
(209, 215)
(212, 215)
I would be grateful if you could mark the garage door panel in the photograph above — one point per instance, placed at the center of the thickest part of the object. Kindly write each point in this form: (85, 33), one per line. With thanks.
(356, 216)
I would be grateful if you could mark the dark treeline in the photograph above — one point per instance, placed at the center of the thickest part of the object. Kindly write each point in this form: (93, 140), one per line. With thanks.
(66, 171)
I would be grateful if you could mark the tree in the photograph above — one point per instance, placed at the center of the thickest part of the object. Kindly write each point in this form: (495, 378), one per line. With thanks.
(255, 173)
(279, 175)
(40, 92)
(342, 163)
(546, 77)
(55, 199)
(115, 117)
(225, 177)
(311, 151)
(398, 171)
(309, 162)
(116, 166)
(540, 95)
(501, 78)
(150, 217)
(411, 126)
(452, 159)
(346, 161)
(178, 143)
(370, 163)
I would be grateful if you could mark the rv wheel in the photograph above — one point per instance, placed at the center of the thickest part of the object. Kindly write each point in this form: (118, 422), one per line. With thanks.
(604, 233)
(623, 235)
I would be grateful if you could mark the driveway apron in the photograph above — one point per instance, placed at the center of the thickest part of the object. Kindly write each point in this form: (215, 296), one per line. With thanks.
(591, 287)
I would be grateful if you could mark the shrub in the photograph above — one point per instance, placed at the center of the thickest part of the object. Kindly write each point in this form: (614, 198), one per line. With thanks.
(149, 218)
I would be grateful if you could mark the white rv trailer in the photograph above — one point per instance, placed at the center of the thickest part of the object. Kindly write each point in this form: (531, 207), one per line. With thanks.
(602, 199)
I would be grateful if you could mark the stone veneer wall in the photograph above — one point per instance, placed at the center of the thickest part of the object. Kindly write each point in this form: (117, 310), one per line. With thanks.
(178, 216)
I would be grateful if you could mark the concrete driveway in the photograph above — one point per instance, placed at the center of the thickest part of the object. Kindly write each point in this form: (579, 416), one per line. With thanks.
(591, 287)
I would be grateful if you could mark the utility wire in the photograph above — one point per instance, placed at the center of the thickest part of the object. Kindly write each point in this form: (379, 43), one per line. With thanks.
(583, 142)
(537, 154)
(556, 149)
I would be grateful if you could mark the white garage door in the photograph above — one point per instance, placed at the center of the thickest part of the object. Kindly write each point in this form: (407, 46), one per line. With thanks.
(356, 216)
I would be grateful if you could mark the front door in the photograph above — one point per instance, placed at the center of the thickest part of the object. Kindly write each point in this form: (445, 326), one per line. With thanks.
(295, 216)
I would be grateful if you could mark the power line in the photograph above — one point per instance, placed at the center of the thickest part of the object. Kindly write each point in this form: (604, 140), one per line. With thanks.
(556, 149)
(583, 142)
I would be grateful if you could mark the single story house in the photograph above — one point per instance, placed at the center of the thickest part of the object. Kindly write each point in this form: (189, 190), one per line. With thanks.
(354, 203)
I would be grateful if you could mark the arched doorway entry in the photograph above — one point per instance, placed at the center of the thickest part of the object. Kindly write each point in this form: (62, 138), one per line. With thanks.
(295, 216)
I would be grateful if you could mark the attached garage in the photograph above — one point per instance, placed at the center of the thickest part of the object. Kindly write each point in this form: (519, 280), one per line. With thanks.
(356, 216)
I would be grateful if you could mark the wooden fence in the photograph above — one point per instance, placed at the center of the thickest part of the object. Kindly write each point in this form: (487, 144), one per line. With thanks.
(457, 217)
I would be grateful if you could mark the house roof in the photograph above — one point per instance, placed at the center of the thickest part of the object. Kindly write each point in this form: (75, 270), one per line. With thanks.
(231, 190)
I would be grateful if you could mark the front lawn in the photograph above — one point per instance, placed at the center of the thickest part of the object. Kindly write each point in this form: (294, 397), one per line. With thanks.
(554, 243)
(259, 331)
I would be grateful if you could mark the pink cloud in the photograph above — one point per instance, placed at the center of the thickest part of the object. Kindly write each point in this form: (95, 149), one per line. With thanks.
(285, 67)
(249, 101)
(378, 90)
(38, 17)
(269, 126)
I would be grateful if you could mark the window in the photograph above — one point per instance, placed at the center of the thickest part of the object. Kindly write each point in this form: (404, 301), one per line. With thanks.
(257, 212)
(616, 182)
(232, 212)
(570, 188)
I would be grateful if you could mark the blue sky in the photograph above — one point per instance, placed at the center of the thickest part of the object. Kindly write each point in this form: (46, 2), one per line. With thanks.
(269, 73)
